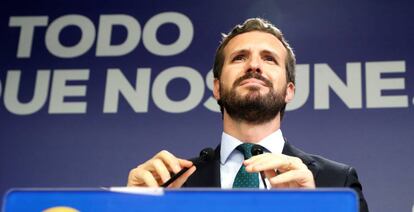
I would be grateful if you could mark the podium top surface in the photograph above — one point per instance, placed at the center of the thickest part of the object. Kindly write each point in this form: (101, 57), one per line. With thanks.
(141, 199)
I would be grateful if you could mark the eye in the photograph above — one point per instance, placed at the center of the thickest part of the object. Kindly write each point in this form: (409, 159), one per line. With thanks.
(239, 57)
(269, 58)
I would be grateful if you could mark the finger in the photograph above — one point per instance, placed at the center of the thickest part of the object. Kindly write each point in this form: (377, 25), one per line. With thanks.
(185, 163)
(254, 159)
(267, 162)
(161, 169)
(270, 174)
(133, 179)
(170, 160)
(294, 163)
(183, 178)
(282, 178)
(148, 178)
(280, 162)
(282, 185)
(294, 178)
(266, 165)
(264, 157)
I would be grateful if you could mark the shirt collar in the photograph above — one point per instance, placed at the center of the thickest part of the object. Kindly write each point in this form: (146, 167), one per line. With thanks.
(273, 143)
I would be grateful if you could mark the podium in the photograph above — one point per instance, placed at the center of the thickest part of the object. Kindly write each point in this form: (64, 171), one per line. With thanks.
(182, 200)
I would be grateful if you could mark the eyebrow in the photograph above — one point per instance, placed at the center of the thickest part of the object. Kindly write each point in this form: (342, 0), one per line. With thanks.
(240, 51)
(264, 51)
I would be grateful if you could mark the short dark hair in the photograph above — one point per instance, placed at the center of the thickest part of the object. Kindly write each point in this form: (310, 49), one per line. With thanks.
(261, 25)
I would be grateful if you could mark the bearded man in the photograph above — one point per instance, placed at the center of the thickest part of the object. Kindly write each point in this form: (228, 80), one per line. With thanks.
(254, 79)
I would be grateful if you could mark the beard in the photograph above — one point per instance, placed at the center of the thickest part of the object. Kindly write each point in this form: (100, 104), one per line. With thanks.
(254, 107)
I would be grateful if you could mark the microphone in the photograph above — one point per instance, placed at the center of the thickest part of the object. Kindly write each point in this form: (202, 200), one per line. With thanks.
(206, 155)
(258, 150)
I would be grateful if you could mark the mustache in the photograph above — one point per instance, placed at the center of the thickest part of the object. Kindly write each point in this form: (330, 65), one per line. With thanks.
(254, 75)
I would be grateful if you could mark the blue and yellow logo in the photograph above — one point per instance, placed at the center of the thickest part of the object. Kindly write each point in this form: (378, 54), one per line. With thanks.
(61, 209)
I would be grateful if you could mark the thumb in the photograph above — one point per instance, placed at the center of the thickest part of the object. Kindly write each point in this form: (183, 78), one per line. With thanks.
(183, 178)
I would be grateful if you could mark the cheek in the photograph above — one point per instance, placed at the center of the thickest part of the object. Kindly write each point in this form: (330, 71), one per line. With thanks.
(225, 86)
(279, 84)
(227, 79)
(278, 78)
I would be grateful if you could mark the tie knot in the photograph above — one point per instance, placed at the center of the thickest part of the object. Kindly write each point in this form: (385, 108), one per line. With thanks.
(246, 149)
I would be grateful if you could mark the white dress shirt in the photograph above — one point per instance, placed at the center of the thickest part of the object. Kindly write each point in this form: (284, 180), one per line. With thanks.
(232, 159)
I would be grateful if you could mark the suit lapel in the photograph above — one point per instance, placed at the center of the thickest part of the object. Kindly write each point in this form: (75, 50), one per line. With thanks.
(207, 174)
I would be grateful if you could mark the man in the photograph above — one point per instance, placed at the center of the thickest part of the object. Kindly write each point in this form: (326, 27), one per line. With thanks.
(254, 73)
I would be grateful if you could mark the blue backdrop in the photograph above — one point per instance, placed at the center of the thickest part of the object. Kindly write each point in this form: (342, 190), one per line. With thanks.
(90, 89)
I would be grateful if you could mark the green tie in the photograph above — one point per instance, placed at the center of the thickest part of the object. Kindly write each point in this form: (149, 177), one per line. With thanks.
(245, 179)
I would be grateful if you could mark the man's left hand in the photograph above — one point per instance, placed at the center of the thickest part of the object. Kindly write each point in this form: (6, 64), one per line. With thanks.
(281, 170)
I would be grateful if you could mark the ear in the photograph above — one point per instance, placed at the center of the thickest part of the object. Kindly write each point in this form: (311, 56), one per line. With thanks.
(290, 92)
(216, 89)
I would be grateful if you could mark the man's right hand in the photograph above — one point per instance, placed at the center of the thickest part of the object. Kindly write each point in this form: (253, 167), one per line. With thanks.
(156, 171)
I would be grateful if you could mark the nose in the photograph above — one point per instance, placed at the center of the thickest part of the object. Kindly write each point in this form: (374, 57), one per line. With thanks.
(254, 65)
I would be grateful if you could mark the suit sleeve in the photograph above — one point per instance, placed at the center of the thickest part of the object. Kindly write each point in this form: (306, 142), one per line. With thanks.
(353, 182)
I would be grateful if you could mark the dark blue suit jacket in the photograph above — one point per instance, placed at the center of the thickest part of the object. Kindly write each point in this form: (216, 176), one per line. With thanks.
(327, 173)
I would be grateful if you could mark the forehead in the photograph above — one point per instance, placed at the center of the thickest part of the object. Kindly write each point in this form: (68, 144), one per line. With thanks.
(255, 40)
